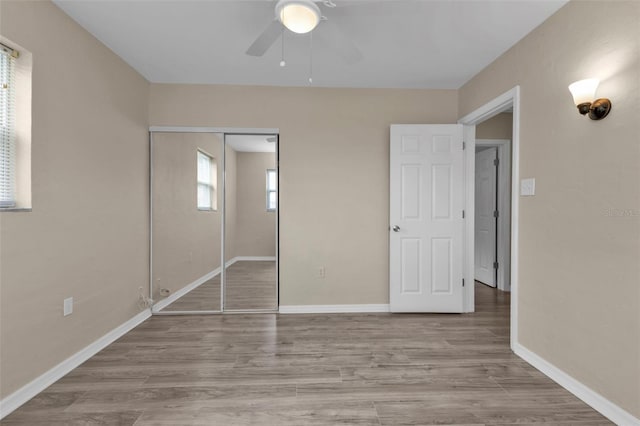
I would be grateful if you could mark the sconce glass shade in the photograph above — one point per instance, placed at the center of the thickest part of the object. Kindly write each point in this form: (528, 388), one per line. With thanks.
(584, 91)
(299, 16)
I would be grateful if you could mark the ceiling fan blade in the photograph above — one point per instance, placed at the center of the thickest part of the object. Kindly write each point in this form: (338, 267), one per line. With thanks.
(266, 39)
(343, 45)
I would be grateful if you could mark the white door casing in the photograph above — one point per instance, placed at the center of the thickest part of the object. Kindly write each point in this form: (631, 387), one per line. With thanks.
(485, 221)
(427, 198)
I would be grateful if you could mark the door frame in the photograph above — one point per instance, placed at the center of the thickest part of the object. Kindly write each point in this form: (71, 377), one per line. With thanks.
(224, 131)
(503, 253)
(510, 100)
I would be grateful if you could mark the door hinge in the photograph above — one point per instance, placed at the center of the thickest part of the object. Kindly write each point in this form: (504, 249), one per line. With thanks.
(463, 214)
(496, 213)
(496, 162)
(495, 265)
(463, 282)
(464, 145)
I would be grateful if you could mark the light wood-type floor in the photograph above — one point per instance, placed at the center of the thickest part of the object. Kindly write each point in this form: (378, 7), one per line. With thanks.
(347, 369)
(251, 285)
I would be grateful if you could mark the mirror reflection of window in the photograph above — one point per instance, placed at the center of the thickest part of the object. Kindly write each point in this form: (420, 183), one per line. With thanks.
(272, 190)
(207, 175)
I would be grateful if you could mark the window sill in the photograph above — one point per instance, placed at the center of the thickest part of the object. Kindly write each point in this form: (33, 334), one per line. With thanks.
(207, 210)
(15, 209)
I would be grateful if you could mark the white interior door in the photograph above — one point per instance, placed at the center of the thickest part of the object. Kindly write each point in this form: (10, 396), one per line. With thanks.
(485, 221)
(426, 218)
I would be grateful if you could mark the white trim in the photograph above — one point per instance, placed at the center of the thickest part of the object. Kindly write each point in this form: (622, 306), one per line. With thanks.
(504, 209)
(598, 402)
(509, 99)
(37, 385)
(493, 107)
(332, 309)
(151, 217)
(225, 130)
(469, 135)
(223, 225)
(277, 165)
(254, 259)
(186, 289)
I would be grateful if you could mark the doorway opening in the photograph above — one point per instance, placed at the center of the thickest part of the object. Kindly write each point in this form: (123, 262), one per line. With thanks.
(492, 210)
(213, 220)
(505, 106)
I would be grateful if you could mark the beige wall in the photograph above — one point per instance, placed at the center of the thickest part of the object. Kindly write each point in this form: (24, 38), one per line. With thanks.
(256, 227)
(186, 241)
(334, 216)
(498, 127)
(579, 297)
(87, 236)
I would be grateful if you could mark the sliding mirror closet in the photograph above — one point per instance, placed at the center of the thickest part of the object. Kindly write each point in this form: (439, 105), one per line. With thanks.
(213, 206)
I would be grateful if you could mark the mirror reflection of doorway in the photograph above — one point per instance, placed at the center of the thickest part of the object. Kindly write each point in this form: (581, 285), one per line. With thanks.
(213, 197)
(250, 223)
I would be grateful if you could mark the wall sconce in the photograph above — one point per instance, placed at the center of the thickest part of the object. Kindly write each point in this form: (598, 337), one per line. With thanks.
(584, 91)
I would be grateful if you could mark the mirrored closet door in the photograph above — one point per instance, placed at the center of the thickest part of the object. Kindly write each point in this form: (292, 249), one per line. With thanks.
(187, 219)
(251, 223)
(214, 196)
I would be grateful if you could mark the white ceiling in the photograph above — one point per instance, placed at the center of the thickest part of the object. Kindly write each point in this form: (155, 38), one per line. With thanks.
(251, 143)
(405, 43)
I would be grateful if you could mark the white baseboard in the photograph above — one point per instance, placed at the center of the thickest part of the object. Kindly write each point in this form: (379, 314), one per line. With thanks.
(332, 309)
(37, 385)
(254, 258)
(598, 402)
(186, 289)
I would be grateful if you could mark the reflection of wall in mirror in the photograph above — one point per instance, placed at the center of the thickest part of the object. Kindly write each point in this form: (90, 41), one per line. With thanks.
(256, 227)
(186, 241)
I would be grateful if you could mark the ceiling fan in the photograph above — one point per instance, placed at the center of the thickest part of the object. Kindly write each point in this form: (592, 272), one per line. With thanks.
(301, 17)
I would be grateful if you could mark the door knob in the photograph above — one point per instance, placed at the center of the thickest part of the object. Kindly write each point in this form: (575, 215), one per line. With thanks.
(396, 228)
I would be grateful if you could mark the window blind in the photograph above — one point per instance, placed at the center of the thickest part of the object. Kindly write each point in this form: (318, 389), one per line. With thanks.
(7, 130)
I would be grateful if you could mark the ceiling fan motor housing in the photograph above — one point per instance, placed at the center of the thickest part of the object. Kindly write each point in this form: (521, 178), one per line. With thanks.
(299, 16)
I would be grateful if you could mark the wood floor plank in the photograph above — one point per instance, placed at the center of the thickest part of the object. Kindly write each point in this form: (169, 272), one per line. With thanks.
(349, 369)
(281, 413)
(123, 418)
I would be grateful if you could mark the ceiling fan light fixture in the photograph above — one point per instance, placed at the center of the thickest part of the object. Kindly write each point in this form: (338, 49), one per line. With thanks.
(299, 16)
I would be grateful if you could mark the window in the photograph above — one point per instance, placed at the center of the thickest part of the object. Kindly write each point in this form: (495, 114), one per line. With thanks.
(207, 175)
(7, 128)
(272, 190)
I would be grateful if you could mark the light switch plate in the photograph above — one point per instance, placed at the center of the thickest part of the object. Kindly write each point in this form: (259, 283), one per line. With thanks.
(528, 187)
(67, 306)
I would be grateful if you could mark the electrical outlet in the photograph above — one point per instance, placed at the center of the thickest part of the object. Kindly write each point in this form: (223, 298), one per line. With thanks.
(321, 272)
(67, 306)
